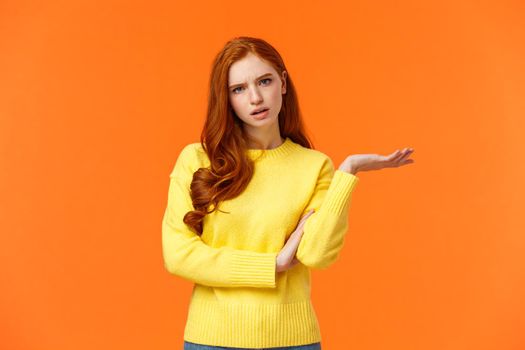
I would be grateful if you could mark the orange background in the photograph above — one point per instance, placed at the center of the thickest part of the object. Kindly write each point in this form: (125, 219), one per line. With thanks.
(98, 98)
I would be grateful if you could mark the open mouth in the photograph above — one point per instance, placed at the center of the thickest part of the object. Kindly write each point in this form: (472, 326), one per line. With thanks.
(260, 112)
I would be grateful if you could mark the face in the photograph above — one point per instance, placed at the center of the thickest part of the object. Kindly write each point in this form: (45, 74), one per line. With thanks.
(252, 84)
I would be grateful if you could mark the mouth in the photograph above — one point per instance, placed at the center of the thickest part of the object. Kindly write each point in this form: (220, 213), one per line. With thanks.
(261, 115)
(260, 111)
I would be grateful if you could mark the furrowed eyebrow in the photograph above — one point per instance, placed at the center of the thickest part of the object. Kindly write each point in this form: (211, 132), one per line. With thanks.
(262, 76)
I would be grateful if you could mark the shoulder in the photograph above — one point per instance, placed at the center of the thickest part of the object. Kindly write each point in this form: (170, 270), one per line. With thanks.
(191, 151)
(190, 159)
(314, 157)
(315, 163)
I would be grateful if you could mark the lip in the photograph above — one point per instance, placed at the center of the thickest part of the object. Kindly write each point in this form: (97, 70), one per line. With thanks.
(258, 109)
(261, 115)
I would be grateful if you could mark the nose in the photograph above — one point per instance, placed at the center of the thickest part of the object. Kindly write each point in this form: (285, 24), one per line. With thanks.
(255, 96)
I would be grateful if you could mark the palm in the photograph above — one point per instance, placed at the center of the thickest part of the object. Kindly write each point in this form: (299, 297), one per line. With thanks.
(366, 162)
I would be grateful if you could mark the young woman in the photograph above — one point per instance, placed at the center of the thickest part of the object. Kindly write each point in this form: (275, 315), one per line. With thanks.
(253, 207)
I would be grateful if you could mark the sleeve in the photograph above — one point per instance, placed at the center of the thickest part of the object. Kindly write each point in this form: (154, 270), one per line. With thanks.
(324, 231)
(187, 256)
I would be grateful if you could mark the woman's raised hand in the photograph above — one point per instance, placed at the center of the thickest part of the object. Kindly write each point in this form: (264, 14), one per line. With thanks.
(286, 258)
(366, 162)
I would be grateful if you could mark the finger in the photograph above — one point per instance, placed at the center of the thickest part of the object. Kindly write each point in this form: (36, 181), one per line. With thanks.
(292, 242)
(407, 154)
(402, 155)
(310, 212)
(399, 155)
(300, 228)
(303, 220)
(306, 216)
(393, 156)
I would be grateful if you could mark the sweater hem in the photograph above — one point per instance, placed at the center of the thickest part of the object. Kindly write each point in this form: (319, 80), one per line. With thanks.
(252, 326)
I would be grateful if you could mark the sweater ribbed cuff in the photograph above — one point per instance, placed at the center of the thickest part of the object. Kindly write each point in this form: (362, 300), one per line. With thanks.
(341, 187)
(253, 269)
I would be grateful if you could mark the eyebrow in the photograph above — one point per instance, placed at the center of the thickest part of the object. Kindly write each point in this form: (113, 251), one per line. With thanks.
(262, 76)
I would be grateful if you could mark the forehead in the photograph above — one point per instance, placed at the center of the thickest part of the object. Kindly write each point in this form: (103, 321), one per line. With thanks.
(248, 68)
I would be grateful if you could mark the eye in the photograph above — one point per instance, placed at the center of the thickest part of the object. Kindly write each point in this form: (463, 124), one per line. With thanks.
(262, 80)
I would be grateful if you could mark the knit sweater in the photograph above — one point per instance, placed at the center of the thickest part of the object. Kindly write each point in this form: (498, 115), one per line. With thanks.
(238, 298)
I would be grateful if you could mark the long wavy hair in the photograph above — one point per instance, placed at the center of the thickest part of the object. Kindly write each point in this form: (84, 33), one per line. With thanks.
(223, 137)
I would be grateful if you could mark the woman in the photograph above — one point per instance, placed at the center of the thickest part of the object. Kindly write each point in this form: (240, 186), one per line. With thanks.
(252, 208)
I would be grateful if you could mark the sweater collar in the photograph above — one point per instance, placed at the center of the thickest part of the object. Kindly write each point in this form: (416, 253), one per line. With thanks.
(279, 151)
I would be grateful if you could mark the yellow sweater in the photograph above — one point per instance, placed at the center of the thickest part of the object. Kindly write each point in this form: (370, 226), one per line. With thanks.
(238, 299)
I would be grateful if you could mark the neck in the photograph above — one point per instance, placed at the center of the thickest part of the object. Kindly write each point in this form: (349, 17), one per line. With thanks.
(264, 141)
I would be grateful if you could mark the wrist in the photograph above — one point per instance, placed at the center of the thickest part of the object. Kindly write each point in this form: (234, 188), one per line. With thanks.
(348, 166)
(348, 169)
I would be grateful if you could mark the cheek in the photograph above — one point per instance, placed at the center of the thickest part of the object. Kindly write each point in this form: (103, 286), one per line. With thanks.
(276, 96)
(235, 103)
(237, 106)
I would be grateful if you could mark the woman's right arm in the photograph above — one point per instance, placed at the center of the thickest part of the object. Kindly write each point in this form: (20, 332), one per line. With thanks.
(187, 256)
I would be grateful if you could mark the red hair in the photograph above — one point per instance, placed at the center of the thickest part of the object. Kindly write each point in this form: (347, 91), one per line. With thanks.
(223, 137)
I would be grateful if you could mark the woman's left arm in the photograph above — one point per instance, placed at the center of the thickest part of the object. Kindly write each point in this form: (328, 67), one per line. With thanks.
(325, 230)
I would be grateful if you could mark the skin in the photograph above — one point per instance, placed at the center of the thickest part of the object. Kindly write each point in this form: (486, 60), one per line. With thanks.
(247, 91)
(256, 93)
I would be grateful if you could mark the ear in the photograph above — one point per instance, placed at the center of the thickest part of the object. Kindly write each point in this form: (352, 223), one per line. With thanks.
(283, 78)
